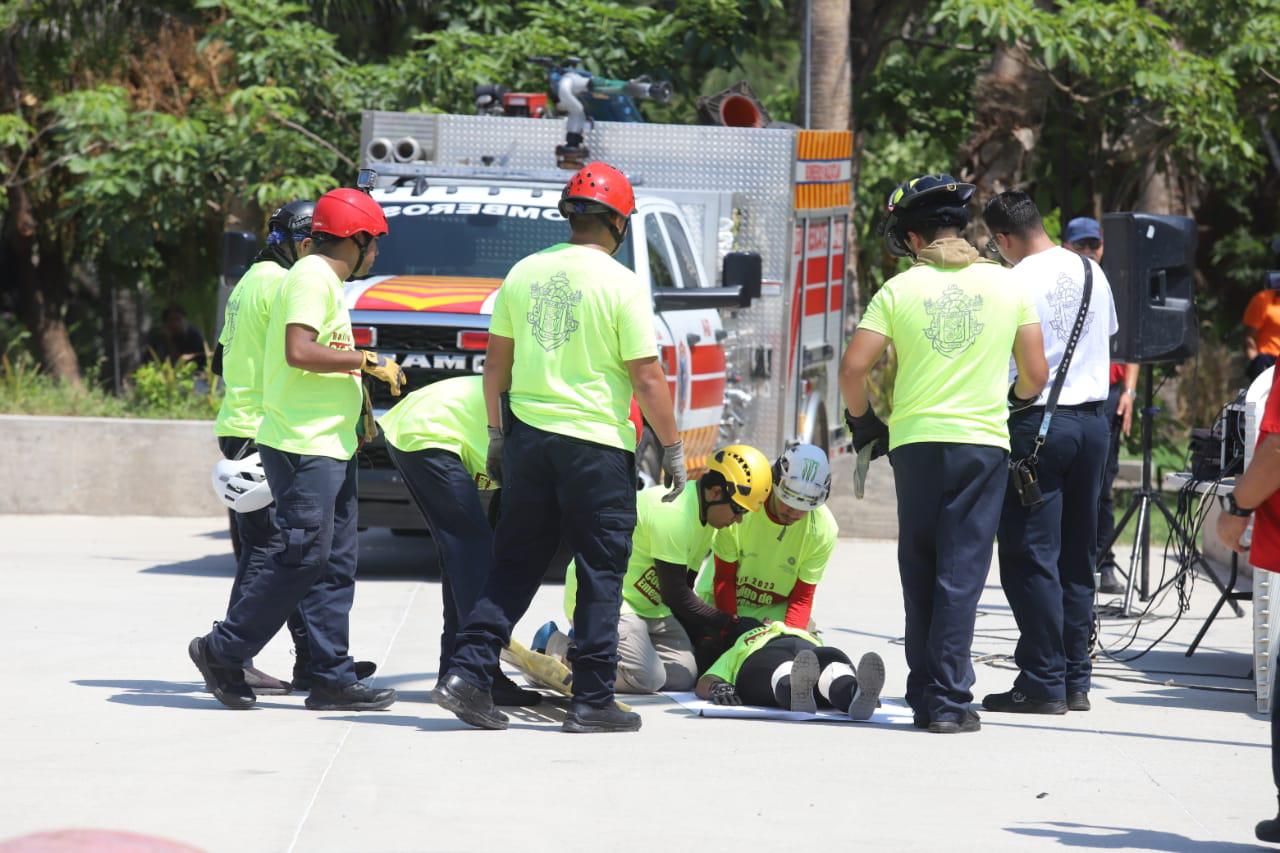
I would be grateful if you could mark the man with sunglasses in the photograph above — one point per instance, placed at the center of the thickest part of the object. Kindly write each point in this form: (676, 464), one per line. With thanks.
(670, 544)
(1083, 236)
(1048, 550)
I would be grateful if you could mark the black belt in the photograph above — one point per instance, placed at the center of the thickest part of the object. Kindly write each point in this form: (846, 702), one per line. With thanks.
(1092, 406)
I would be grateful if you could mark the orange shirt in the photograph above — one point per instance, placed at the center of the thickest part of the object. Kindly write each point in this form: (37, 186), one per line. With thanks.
(1263, 316)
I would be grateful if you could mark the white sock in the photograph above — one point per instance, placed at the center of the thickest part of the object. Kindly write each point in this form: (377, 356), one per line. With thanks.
(783, 671)
(829, 675)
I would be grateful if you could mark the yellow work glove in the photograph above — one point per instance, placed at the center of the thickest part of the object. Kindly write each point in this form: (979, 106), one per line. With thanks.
(384, 367)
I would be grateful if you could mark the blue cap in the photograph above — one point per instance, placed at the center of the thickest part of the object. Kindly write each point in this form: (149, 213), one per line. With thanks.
(1082, 228)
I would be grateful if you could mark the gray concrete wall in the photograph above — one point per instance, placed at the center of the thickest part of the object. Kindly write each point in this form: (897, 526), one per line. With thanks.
(876, 515)
(107, 466)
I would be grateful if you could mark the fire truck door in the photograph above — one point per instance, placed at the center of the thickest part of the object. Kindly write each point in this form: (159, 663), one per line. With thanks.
(695, 364)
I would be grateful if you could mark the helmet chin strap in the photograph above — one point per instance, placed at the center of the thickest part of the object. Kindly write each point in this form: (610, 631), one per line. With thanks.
(619, 234)
(363, 247)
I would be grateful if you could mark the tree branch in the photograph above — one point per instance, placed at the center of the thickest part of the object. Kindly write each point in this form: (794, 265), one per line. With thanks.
(293, 125)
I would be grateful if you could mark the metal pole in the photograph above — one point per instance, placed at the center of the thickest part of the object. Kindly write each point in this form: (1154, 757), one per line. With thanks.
(808, 63)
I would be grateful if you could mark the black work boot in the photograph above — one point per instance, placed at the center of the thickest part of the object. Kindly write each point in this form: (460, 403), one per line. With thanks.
(352, 697)
(226, 683)
(302, 680)
(971, 722)
(1109, 584)
(507, 692)
(468, 703)
(1017, 702)
(1079, 701)
(584, 719)
(267, 685)
(1269, 829)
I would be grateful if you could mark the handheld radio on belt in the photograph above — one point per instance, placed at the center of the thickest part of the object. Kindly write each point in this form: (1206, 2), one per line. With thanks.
(1023, 474)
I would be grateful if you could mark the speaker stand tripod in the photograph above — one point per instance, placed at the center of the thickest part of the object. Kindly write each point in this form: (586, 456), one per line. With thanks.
(1138, 578)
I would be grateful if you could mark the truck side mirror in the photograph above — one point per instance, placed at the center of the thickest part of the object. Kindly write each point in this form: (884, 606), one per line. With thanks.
(744, 271)
(238, 249)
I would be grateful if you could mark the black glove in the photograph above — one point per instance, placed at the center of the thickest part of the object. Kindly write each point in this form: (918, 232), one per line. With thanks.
(1016, 403)
(724, 693)
(868, 429)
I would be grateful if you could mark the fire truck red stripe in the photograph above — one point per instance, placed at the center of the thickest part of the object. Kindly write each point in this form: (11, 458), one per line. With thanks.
(707, 394)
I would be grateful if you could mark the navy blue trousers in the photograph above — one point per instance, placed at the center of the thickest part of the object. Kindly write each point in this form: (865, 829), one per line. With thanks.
(312, 569)
(949, 498)
(258, 536)
(1048, 552)
(553, 487)
(449, 501)
(1106, 503)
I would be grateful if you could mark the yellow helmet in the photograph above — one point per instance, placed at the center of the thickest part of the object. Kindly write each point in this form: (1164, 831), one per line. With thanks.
(747, 474)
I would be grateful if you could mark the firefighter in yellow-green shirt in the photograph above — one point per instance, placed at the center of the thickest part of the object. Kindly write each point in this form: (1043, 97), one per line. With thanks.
(570, 342)
(954, 320)
(238, 360)
(312, 402)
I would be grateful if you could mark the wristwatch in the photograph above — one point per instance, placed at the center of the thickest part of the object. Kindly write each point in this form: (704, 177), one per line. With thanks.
(1232, 508)
(1131, 392)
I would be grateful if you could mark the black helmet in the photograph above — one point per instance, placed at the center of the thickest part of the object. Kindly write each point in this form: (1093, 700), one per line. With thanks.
(293, 218)
(926, 200)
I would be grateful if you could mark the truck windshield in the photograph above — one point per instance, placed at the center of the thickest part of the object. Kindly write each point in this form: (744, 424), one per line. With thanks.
(473, 240)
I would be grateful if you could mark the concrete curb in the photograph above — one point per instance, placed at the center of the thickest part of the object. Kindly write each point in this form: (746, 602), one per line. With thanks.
(108, 466)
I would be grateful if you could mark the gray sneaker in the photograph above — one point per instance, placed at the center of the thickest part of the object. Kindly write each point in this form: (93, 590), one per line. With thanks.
(870, 683)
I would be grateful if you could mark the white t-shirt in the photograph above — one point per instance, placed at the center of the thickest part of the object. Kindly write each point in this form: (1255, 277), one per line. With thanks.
(1056, 277)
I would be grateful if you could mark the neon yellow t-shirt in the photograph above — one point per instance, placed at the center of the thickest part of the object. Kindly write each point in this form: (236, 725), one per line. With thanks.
(669, 532)
(728, 665)
(953, 329)
(771, 557)
(576, 315)
(314, 414)
(244, 341)
(448, 415)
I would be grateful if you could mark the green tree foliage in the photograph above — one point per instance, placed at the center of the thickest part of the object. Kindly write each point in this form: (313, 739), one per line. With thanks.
(132, 133)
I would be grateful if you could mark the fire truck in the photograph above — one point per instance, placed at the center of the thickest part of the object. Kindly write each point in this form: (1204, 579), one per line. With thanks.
(750, 346)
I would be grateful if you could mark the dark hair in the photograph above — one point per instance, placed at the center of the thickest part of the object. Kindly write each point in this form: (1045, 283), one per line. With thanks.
(580, 222)
(1012, 212)
(172, 311)
(929, 229)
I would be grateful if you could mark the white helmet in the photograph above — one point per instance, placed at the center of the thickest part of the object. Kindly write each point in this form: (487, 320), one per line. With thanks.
(802, 477)
(241, 484)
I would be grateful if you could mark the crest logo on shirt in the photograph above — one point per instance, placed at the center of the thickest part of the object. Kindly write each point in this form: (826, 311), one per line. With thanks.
(954, 327)
(1064, 303)
(551, 314)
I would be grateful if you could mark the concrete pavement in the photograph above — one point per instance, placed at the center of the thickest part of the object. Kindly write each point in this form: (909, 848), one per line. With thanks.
(105, 725)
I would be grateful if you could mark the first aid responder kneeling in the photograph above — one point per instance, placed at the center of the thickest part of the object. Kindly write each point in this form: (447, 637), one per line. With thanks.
(571, 339)
(312, 402)
(953, 320)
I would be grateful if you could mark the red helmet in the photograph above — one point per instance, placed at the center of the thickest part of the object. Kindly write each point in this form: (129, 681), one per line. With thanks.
(344, 212)
(598, 185)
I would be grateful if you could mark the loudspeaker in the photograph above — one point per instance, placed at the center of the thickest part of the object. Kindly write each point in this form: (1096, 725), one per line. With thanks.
(1150, 262)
